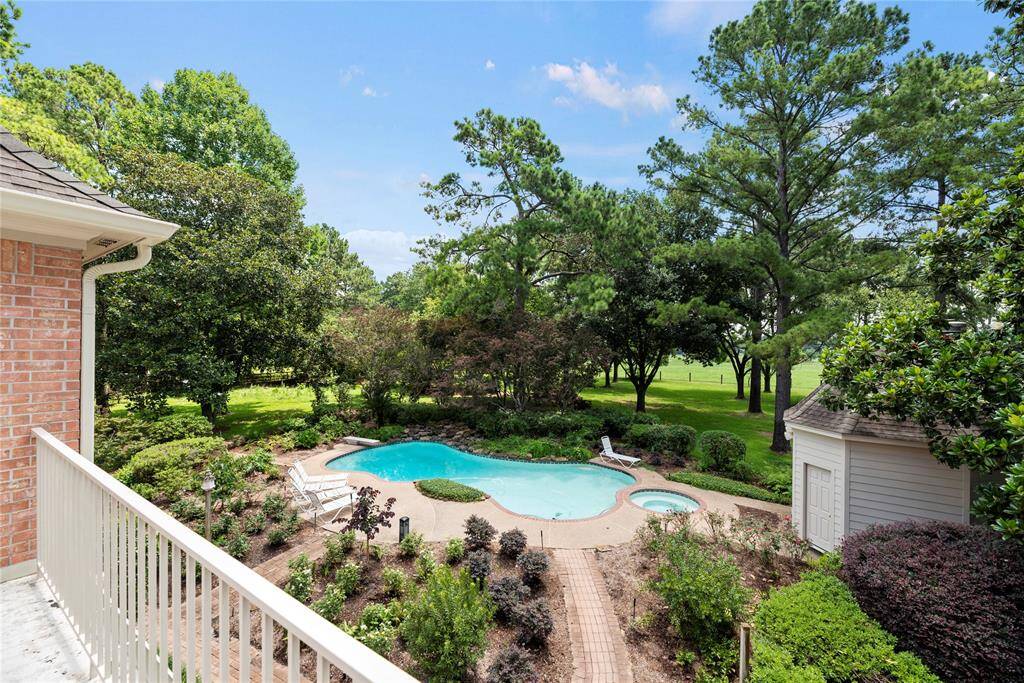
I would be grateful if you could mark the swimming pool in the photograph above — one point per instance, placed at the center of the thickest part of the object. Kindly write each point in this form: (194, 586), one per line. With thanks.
(545, 490)
(663, 501)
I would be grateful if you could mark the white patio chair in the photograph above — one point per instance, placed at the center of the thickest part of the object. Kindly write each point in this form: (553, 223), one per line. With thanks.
(319, 482)
(616, 458)
(322, 506)
(312, 502)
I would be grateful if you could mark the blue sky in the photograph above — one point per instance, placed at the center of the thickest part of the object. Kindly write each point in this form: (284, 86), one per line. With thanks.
(366, 93)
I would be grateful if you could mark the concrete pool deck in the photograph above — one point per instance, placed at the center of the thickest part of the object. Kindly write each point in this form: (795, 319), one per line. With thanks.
(440, 520)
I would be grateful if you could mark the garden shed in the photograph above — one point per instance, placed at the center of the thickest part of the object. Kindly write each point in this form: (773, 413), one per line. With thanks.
(850, 471)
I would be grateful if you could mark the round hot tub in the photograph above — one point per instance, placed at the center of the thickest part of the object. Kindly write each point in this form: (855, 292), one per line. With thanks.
(663, 501)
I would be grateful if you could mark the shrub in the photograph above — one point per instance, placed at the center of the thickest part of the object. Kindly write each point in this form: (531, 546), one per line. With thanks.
(614, 422)
(721, 451)
(260, 460)
(254, 524)
(187, 510)
(951, 593)
(445, 631)
(331, 603)
(534, 622)
(411, 545)
(170, 469)
(502, 423)
(425, 565)
(507, 594)
(584, 425)
(711, 482)
(394, 582)
(274, 506)
(705, 598)
(818, 623)
(446, 489)
(300, 578)
(532, 566)
(281, 533)
(479, 532)
(512, 665)
(336, 548)
(512, 543)
(674, 441)
(376, 552)
(455, 550)
(478, 563)
(237, 545)
(773, 664)
(178, 426)
(347, 578)
(376, 628)
(118, 438)
(307, 438)
(225, 525)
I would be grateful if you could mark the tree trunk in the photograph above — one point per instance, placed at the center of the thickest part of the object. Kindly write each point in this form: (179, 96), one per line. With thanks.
(607, 375)
(754, 402)
(741, 378)
(783, 379)
(767, 378)
(207, 410)
(641, 398)
(615, 371)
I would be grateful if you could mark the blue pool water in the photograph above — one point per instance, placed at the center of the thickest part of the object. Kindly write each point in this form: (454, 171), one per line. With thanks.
(664, 501)
(545, 490)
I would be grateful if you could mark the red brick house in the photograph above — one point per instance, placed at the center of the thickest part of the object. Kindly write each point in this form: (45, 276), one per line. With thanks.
(51, 226)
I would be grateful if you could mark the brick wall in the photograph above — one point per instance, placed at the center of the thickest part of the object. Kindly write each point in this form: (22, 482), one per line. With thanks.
(40, 340)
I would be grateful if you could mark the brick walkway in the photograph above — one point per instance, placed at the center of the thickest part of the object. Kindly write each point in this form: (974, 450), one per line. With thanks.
(598, 648)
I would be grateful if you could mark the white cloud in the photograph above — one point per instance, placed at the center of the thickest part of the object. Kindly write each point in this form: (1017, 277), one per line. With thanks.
(369, 92)
(157, 84)
(689, 17)
(489, 65)
(605, 87)
(346, 75)
(385, 251)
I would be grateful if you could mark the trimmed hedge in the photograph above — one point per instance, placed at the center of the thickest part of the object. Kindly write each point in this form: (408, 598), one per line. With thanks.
(170, 469)
(712, 482)
(446, 489)
(119, 438)
(721, 451)
(675, 441)
(952, 593)
(819, 625)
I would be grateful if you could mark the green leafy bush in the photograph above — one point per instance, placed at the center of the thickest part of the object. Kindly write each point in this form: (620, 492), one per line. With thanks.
(336, 548)
(578, 423)
(274, 506)
(187, 510)
(446, 489)
(478, 532)
(721, 451)
(118, 438)
(348, 577)
(259, 460)
(237, 545)
(425, 565)
(393, 582)
(712, 482)
(532, 565)
(672, 443)
(281, 533)
(455, 550)
(512, 665)
(614, 422)
(168, 470)
(818, 623)
(377, 627)
(511, 544)
(382, 433)
(773, 664)
(178, 426)
(502, 423)
(307, 438)
(445, 630)
(705, 598)
(411, 545)
(331, 603)
(300, 578)
(254, 524)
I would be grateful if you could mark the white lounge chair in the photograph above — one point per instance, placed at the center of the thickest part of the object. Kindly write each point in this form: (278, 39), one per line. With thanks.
(321, 506)
(319, 482)
(616, 458)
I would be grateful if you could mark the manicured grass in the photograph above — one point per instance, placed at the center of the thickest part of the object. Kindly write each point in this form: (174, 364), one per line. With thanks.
(253, 412)
(708, 404)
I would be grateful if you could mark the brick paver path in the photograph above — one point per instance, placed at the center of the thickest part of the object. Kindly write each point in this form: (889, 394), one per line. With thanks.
(598, 647)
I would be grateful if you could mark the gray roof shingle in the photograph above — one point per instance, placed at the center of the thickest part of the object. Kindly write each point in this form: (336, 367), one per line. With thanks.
(25, 170)
(811, 412)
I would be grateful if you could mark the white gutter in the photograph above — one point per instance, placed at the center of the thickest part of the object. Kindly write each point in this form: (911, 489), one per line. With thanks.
(88, 378)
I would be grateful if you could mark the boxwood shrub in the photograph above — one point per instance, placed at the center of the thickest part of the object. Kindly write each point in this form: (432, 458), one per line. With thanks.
(819, 625)
(952, 593)
(711, 482)
(119, 438)
(170, 469)
(674, 441)
(446, 489)
(721, 451)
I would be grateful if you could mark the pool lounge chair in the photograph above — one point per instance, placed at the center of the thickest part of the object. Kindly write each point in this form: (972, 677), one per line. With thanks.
(320, 506)
(616, 458)
(318, 482)
(324, 501)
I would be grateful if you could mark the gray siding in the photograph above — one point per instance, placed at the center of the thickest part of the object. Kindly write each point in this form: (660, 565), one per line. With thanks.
(828, 453)
(891, 483)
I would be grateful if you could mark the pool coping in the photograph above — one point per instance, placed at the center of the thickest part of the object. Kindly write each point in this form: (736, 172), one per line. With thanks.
(540, 461)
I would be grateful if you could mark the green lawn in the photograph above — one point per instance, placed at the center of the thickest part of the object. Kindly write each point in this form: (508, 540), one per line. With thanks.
(704, 404)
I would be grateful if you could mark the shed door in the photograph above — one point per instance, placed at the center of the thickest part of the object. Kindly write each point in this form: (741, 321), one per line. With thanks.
(819, 507)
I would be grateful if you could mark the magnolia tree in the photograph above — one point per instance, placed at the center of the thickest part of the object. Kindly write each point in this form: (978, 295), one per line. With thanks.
(965, 388)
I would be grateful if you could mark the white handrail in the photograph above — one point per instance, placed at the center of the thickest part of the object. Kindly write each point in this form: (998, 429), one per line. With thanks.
(104, 551)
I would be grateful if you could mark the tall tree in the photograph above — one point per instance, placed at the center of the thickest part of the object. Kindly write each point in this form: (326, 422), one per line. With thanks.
(10, 47)
(208, 119)
(795, 79)
(235, 289)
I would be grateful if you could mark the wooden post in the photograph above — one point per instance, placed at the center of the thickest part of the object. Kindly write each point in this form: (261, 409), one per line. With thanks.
(689, 377)
(744, 652)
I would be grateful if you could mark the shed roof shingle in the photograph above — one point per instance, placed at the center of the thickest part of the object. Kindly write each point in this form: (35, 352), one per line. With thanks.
(25, 170)
(812, 412)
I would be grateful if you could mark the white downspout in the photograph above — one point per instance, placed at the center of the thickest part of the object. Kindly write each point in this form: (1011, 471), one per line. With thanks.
(88, 377)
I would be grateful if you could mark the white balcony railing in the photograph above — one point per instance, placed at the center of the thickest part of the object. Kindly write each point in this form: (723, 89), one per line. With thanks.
(153, 601)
